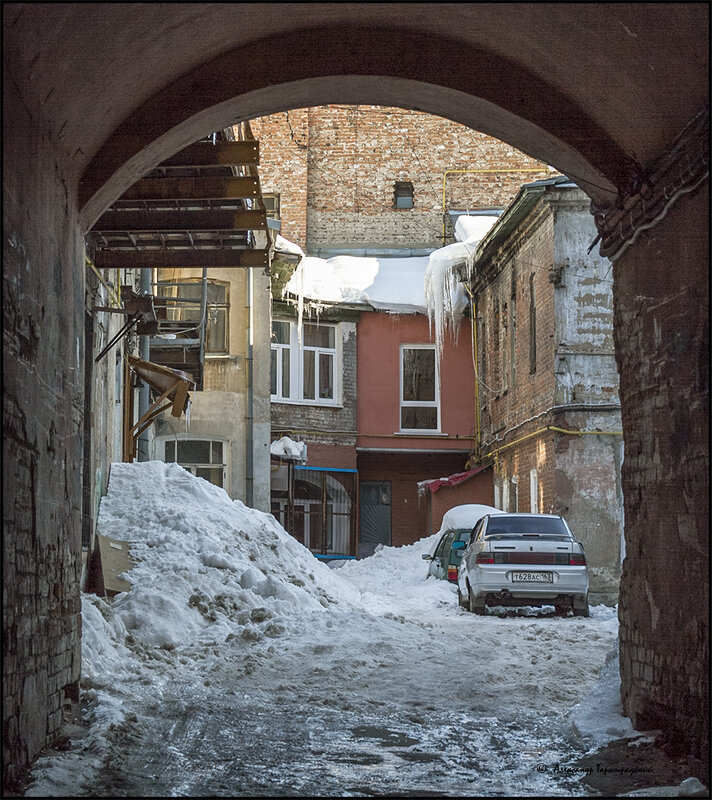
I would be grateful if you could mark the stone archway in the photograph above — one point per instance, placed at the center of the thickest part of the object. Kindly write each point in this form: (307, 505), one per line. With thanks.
(93, 100)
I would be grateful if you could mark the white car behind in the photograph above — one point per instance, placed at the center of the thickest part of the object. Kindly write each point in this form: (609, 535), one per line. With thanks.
(523, 559)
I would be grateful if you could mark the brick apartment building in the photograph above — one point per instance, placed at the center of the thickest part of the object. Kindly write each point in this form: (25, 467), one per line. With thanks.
(353, 178)
(548, 390)
(384, 183)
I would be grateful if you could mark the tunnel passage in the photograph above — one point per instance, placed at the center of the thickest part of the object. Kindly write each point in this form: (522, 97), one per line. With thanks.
(604, 96)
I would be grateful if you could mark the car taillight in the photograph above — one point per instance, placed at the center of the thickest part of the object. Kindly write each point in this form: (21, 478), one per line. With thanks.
(577, 560)
(484, 558)
(452, 573)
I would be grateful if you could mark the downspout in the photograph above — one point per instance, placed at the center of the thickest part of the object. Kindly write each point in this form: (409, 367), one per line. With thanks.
(203, 321)
(249, 454)
(144, 351)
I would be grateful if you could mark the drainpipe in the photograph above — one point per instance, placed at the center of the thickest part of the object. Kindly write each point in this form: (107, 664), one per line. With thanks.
(144, 350)
(249, 450)
(203, 321)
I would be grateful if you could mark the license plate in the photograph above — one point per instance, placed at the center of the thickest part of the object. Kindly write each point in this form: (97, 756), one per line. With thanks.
(532, 577)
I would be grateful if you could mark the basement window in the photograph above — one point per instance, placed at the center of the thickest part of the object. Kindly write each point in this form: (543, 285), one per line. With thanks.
(204, 458)
(403, 194)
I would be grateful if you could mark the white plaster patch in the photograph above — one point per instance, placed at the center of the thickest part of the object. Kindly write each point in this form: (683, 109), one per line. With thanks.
(654, 610)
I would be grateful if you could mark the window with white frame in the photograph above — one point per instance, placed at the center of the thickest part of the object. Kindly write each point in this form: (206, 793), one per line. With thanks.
(419, 400)
(183, 304)
(204, 458)
(533, 490)
(306, 371)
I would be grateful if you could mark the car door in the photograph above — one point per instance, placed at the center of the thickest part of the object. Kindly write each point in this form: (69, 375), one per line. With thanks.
(438, 566)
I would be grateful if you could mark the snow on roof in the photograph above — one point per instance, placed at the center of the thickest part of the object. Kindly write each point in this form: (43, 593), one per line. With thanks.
(397, 285)
(288, 450)
(465, 516)
(283, 245)
(473, 228)
(387, 284)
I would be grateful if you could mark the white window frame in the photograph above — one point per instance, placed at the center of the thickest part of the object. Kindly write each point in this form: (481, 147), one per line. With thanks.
(534, 490)
(419, 403)
(160, 451)
(297, 349)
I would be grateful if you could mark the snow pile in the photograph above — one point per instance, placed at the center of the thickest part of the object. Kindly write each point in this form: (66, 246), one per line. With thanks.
(398, 576)
(209, 569)
(598, 718)
(288, 449)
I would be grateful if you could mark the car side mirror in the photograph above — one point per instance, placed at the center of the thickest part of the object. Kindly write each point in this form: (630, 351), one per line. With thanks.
(458, 545)
(427, 557)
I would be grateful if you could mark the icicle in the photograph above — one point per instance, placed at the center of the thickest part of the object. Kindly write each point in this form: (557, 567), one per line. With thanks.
(300, 303)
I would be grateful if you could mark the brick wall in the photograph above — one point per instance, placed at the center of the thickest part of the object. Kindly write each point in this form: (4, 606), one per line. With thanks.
(344, 161)
(43, 303)
(410, 514)
(573, 387)
(664, 366)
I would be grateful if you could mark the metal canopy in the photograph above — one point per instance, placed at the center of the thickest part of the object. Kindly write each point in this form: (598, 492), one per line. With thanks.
(202, 207)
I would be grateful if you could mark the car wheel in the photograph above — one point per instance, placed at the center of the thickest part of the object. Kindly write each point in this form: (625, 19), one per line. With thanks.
(463, 602)
(581, 608)
(477, 606)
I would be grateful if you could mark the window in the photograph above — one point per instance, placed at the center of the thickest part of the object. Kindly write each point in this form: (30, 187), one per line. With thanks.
(306, 372)
(533, 490)
(187, 296)
(403, 194)
(204, 458)
(271, 202)
(419, 403)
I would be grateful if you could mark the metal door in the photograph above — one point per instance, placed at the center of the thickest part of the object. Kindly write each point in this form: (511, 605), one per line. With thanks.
(375, 516)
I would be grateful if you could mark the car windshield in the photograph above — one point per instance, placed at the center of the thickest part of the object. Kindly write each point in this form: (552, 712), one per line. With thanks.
(462, 534)
(518, 527)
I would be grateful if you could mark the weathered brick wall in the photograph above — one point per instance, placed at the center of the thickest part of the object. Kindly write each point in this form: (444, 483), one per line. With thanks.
(578, 477)
(344, 160)
(507, 401)
(662, 342)
(283, 168)
(43, 301)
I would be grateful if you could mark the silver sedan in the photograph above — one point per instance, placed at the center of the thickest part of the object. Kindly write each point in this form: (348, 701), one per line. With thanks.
(523, 559)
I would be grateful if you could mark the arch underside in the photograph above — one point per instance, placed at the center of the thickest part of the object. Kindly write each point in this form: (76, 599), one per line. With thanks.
(479, 89)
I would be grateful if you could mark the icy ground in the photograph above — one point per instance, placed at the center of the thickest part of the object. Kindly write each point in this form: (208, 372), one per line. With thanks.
(239, 665)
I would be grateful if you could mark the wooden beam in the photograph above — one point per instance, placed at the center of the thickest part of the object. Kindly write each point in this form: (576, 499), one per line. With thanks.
(145, 221)
(147, 259)
(205, 154)
(198, 188)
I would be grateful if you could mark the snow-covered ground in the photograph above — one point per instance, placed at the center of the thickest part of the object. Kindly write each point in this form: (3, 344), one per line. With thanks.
(238, 664)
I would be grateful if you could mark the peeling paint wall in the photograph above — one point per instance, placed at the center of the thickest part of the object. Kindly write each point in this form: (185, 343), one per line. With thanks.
(571, 383)
(220, 411)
